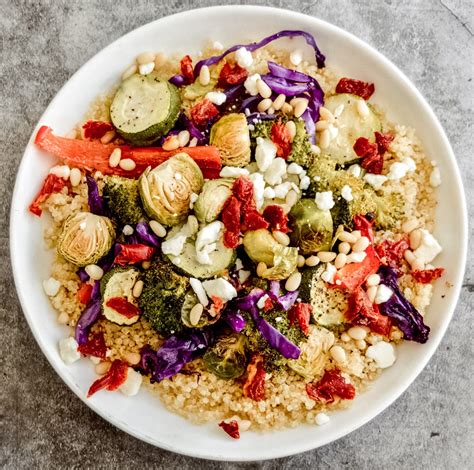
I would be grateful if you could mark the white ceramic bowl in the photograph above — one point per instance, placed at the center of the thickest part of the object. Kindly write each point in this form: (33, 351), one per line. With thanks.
(143, 416)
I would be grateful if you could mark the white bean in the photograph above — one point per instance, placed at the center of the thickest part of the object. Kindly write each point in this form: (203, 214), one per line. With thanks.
(127, 164)
(415, 239)
(115, 157)
(157, 228)
(95, 272)
(326, 256)
(409, 225)
(312, 261)
(293, 282)
(281, 237)
(75, 177)
(338, 354)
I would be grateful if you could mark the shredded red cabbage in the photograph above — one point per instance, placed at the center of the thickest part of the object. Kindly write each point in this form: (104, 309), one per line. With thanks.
(96, 203)
(279, 71)
(178, 80)
(405, 315)
(89, 316)
(146, 235)
(235, 320)
(285, 301)
(285, 87)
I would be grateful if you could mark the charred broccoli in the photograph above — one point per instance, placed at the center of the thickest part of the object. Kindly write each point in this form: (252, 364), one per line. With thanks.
(389, 211)
(123, 200)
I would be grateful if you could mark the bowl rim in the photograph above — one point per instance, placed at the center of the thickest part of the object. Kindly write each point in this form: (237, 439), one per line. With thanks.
(457, 279)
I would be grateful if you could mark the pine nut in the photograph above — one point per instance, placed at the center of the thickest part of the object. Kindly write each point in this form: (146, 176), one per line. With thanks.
(195, 314)
(345, 337)
(75, 176)
(371, 293)
(291, 127)
(193, 142)
(340, 261)
(415, 239)
(291, 197)
(338, 354)
(315, 149)
(362, 108)
(281, 237)
(360, 245)
(356, 332)
(115, 157)
(324, 139)
(263, 89)
(102, 368)
(132, 358)
(409, 225)
(271, 110)
(127, 164)
(287, 108)
(417, 265)
(409, 257)
(356, 234)
(127, 230)
(360, 344)
(129, 72)
(146, 265)
(373, 280)
(301, 261)
(338, 111)
(171, 143)
(107, 137)
(344, 247)
(279, 101)
(261, 268)
(145, 58)
(157, 228)
(137, 289)
(183, 138)
(325, 114)
(312, 261)
(326, 256)
(300, 107)
(293, 282)
(95, 272)
(204, 75)
(322, 125)
(160, 59)
(63, 318)
(264, 105)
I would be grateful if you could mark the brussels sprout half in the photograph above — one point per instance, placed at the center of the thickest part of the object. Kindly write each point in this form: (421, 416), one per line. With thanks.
(212, 198)
(227, 357)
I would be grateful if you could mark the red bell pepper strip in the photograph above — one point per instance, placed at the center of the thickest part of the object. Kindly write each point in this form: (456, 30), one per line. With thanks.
(123, 306)
(115, 377)
(84, 293)
(52, 184)
(134, 253)
(93, 155)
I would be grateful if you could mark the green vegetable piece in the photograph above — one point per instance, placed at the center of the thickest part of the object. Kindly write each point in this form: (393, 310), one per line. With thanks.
(230, 134)
(166, 190)
(145, 108)
(301, 152)
(260, 246)
(85, 238)
(390, 210)
(227, 357)
(312, 227)
(285, 259)
(212, 198)
(206, 319)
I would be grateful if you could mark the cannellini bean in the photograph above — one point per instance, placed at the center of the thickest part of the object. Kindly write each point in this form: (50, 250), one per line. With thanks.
(115, 158)
(127, 164)
(326, 256)
(338, 354)
(409, 225)
(281, 237)
(415, 239)
(75, 177)
(157, 228)
(293, 282)
(95, 272)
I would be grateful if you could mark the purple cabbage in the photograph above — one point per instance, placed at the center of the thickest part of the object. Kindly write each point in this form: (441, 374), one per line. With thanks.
(201, 137)
(96, 203)
(89, 316)
(285, 301)
(279, 71)
(235, 320)
(254, 117)
(282, 86)
(320, 58)
(174, 354)
(405, 315)
(146, 234)
(178, 80)
(274, 290)
(83, 276)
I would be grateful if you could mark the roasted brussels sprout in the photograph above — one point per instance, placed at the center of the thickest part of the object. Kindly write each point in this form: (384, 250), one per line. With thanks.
(312, 227)
(166, 190)
(190, 300)
(285, 259)
(212, 198)
(85, 238)
(227, 358)
(230, 134)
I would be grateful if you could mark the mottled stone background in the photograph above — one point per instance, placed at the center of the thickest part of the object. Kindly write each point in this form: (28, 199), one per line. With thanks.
(43, 425)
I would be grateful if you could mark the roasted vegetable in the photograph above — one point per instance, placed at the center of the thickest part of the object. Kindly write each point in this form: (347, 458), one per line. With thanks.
(85, 238)
(166, 190)
(206, 318)
(390, 210)
(301, 152)
(212, 198)
(227, 358)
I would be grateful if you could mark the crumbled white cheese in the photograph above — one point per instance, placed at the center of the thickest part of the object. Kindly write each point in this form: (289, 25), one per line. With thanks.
(233, 172)
(322, 418)
(346, 193)
(218, 46)
(258, 188)
(61, 171)
(294, 169)
(192, 199)
(68, 350)
(220, 288)
(265, 153)
(145, 69)
(269, 193)
(435, 177)
(238, 264)
(127, 230)
(296, 57)
(216, 97)
(376, 181)
(305, 182)
(250, 84)
(174, 245)
(324, 200)
(410, 163)
(198, 289)
(428, 249)
(51, 286)
(276, 171)
(382, 353)
(397, 171)
(191, 226)
(383, 294)
(355, 170)
(132, 383)
(206, 241)
(243, 275)
(261, 301)
(329, 273)
(243, 57)
(281, 190)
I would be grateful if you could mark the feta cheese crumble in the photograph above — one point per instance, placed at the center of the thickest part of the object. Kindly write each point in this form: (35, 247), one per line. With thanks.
(324, 200)
(174, 245)
(68, 350)
(243, 57)
(383, 294)
(382, 353)
(51, 286)
(376, 181)
(265, 153)
(206, 241)
(250, 84)
(355, 170)
(435, 177)
(275, 172)
(429, 247)
(322, 418)
(132, 383)
(197, 287)
(346, 193)
(233, 172)
(216, 97)
(329, 273)
(220, 288)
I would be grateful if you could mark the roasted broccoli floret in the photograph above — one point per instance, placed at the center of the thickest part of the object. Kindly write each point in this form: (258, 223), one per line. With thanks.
(123, 200)
(162, 298)
(389, 210)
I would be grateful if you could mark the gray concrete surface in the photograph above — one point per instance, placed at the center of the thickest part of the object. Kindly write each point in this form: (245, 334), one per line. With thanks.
(43, 425)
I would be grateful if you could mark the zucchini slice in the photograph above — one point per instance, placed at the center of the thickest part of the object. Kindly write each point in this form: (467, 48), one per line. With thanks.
(119, 282)
(144, 108)
(351, 126)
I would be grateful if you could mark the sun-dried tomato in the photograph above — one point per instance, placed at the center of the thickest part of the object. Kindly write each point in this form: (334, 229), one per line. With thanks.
(242, 189)
(383, 141)
(123, 306)
(52, 184)
(231, 428)
(253, 220)
(217, 305)
(96, 129)
(280, 136)
(355, 87)
(391, 253)
(300, 313)
(231, 75)
(95, 346)
(203, 112)
(371, 159)
(115, 377)
(276, 217)
(330, 386)
(254, 386)
(231, 220)
(84, 293)
(134, 253)
(187, 70)
(426, 276)
(362, 312)
(268, 304)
